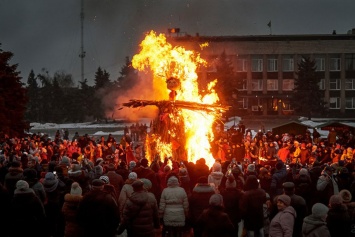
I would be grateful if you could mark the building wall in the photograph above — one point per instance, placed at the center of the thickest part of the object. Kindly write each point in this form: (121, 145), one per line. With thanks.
(328, 47)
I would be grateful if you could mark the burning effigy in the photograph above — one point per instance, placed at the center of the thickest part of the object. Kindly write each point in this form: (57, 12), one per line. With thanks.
(183, 128)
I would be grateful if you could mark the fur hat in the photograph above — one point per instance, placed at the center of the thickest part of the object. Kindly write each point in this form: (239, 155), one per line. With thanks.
(111, 167)
(147, 184)
(251, 168)
(65, 161)
(182, 172)
(216, 200)
(132, 176)
(97, 183)
(22, 187)
(217, 167)
(335, 200)
(132, 164)
(76, 189)
(319, 210)
(345, 195)
(173, 180)
(285, 199)
(303, 171)
(50, 182)
(105, 179)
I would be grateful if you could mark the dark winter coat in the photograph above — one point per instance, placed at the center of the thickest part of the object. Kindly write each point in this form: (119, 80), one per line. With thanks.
(214, 222)
(198, 201)
(147, 173)
(338, 221)
(140, 215)
(27, 215)
(252, 209)
(98, 214)
(277, 179)
(70, 212)
(14, 174)
(232, 198)
(314, 227)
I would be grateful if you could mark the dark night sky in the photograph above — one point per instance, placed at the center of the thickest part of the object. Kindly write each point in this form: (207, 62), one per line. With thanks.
(46, 33)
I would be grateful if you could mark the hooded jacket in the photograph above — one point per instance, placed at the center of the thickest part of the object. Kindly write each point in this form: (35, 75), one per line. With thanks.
(282, 223)
(314, 227)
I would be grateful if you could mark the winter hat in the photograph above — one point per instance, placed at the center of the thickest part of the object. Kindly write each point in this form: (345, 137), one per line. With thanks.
(132, 164)
(345, 195)
(335, 200)
(217, 167)
(279, 165)
(99, 161)
(22, 187)
(138, 185)
(76, 189)
(303, 171)
(251, 168)
(216, 200)
(132, 176)
(105, 179)
(75, 169)
(50, 182)
(230, 182)
(144, 162)
(111, 167)
(288, 186)
(263, 171)
(167, 168)
(65, 161)
(97, 183)
(173, 180)
(319, 210)
(285, 199)
(202, 180)
(147, 184)
(98, 170)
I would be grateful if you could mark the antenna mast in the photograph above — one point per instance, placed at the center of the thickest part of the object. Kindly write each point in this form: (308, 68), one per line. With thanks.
(82, 52)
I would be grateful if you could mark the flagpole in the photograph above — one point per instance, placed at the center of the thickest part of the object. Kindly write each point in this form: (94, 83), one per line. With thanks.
(269, 25)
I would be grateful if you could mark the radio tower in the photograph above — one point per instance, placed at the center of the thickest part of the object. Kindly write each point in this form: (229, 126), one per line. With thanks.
(82, 52)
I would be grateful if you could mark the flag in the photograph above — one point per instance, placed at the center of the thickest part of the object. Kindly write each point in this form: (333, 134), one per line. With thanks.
(269, 24)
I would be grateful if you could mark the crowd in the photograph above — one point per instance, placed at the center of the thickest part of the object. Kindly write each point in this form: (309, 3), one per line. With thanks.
(260, 185)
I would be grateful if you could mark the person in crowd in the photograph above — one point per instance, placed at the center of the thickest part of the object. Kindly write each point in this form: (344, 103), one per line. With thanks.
(30, 176)
(116, 180)
(327, 185)
(199, 199)
(277, 179)
(282, 224)
(70, 211)
(264, 178)
(303, 186)
(347, 200)
(185, 180)
(27, 213)
(15, 173)
(251, 206)
(214, 221)
(315, 225)
(338, 219)
(144, 171)
(126, 190)
(98, 213)
(173, 208)
(215, 177)
(140, 214)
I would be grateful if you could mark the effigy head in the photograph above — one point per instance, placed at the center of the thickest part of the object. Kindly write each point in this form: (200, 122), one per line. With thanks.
(173, 83)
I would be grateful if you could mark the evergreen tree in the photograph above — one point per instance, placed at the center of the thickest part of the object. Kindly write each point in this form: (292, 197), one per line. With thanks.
(45, 97)
(102, 88)
(307, 98)
(102, 79)
(128, 76)
(13, 98)
(32, 113)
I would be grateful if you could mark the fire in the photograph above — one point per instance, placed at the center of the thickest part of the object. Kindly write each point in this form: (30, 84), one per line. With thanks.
(166, 61)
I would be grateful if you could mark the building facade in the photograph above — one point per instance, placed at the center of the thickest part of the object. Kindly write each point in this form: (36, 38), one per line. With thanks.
(265, 69)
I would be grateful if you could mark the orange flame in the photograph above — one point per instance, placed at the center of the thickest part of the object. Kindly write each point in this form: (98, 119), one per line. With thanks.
(165, 61)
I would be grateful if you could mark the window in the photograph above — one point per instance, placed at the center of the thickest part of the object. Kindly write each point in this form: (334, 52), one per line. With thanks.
(241, 65)
(350, 62)
(349, 84)
(243, 103)
(350, 103)
(334, 84)
(288, 64)
(288, 84)
(286, 105)
(272, 64)
(334, 64)
(256, 64)
(320, 64)
(257, 85)
(272, 85)
(321, 84)
(334, 103)
(244, 85)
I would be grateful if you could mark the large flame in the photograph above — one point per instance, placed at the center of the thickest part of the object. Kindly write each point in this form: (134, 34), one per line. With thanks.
(165, 61)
